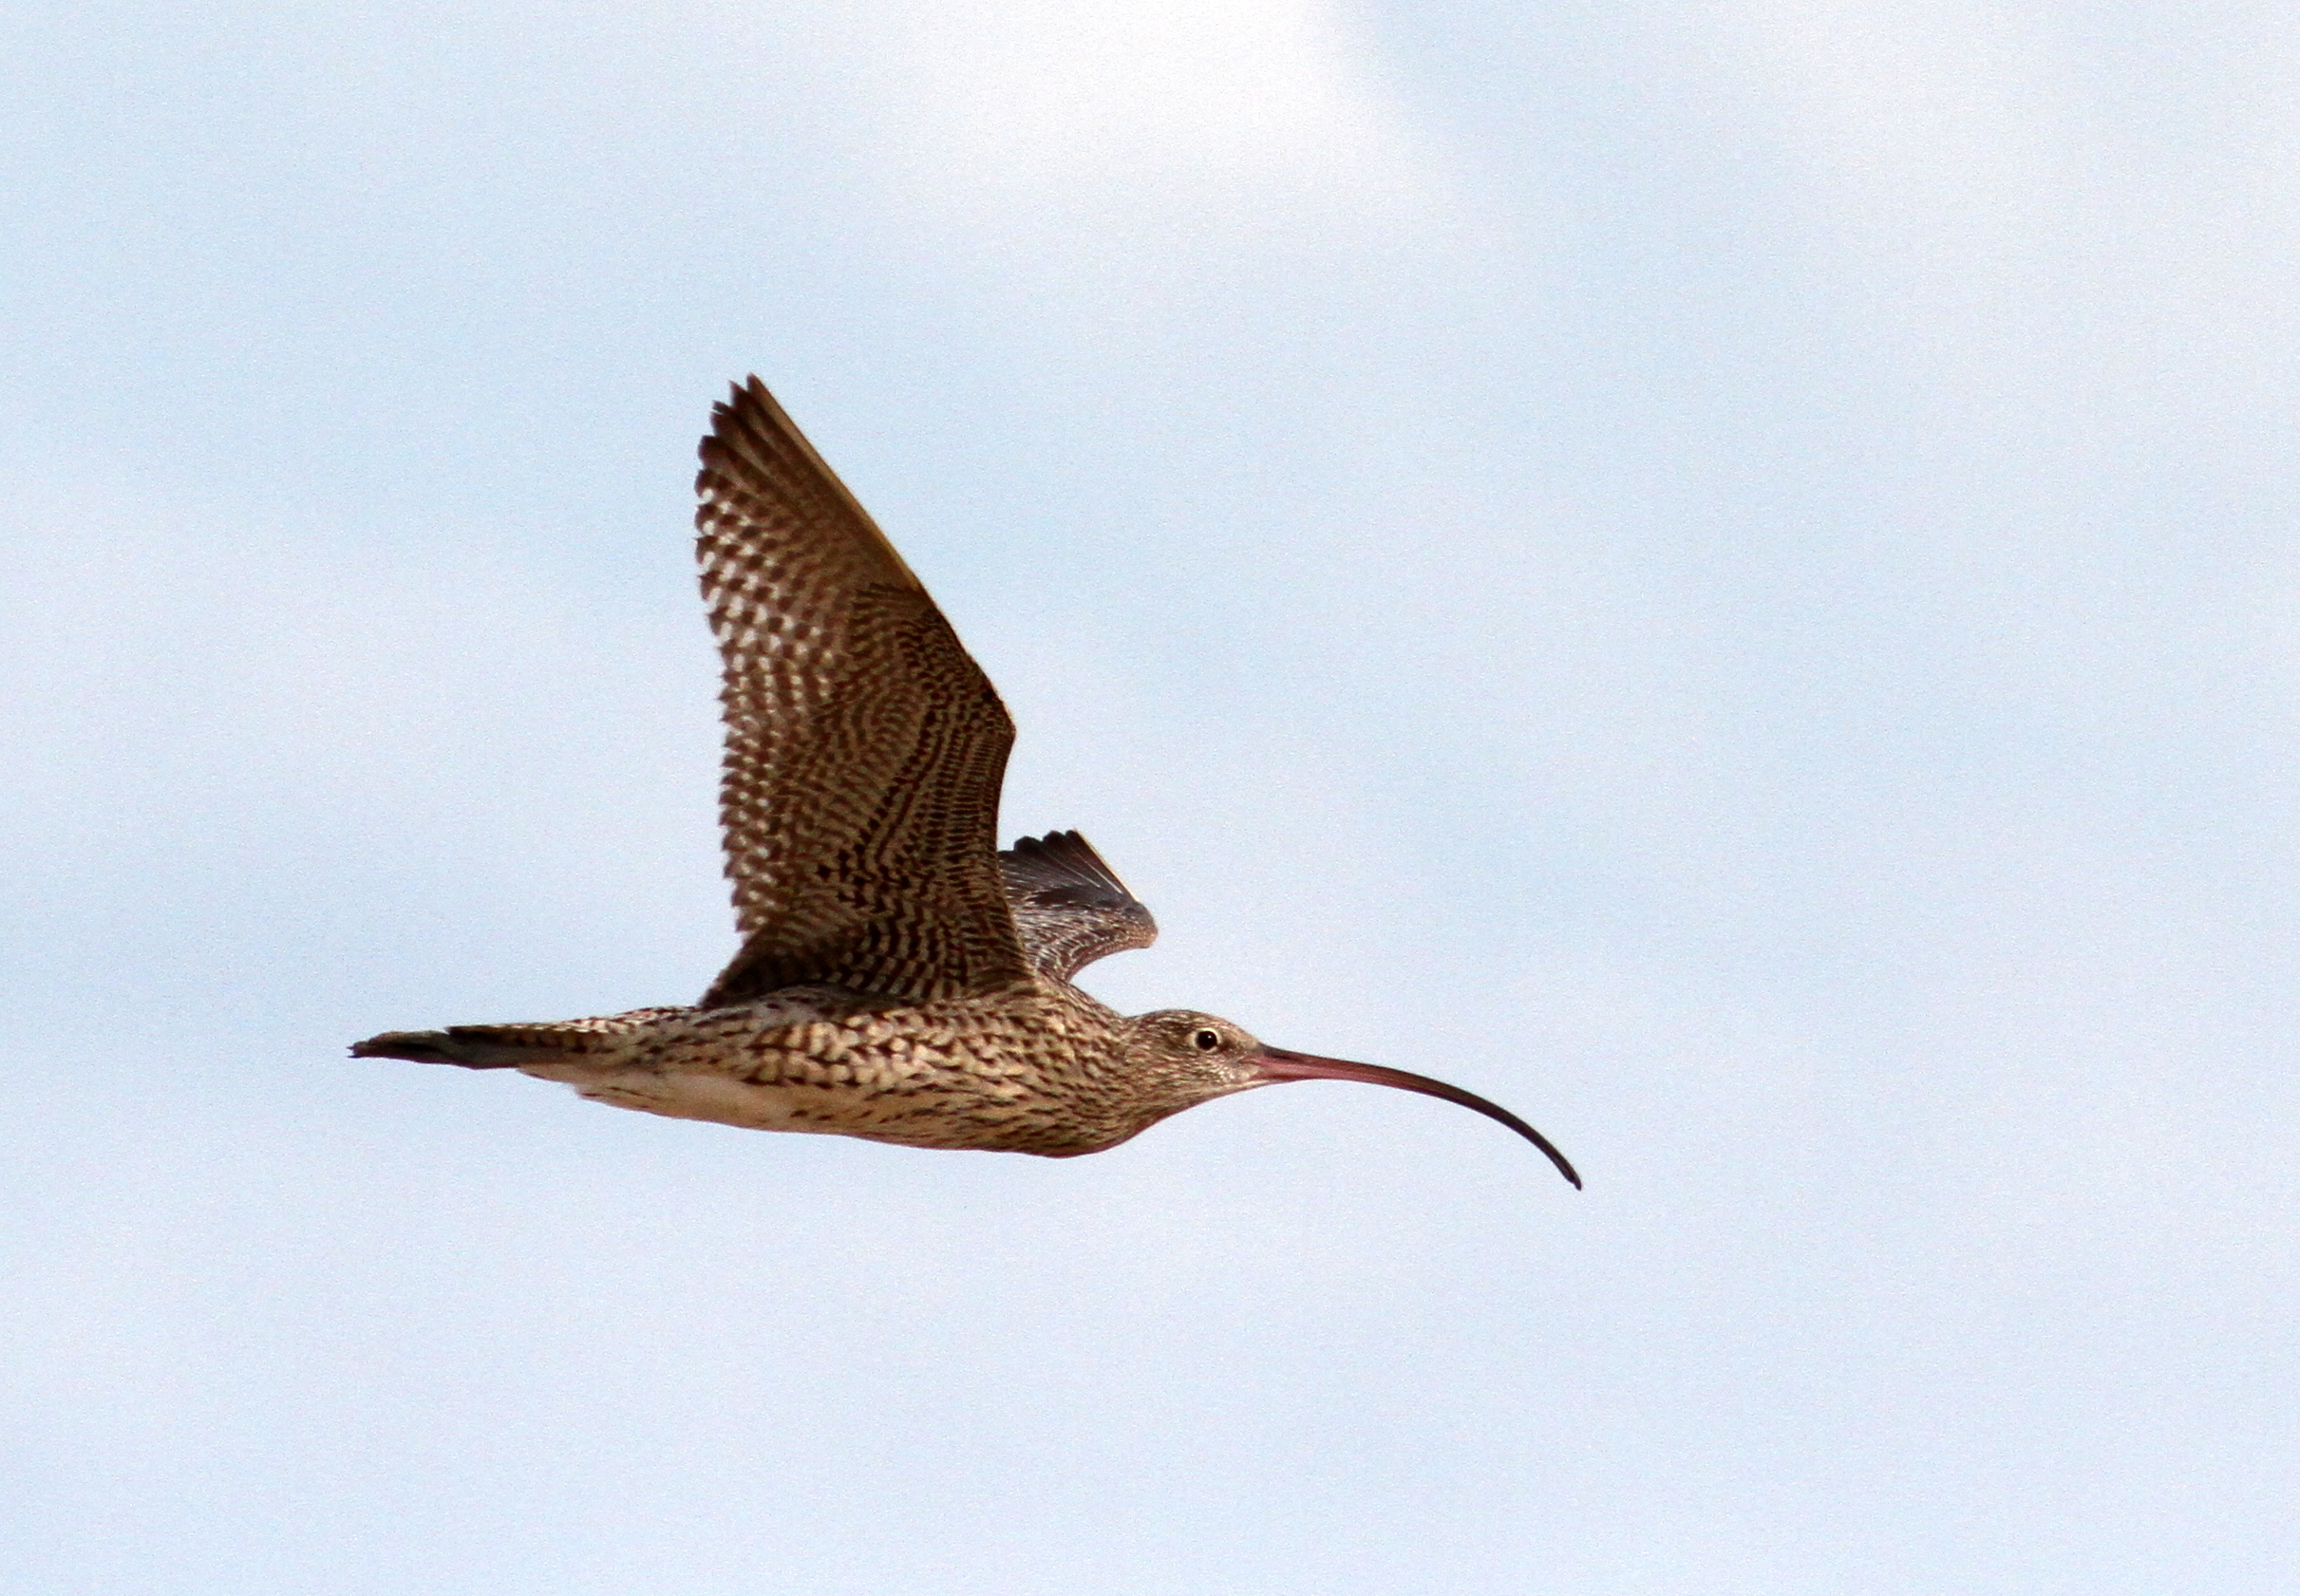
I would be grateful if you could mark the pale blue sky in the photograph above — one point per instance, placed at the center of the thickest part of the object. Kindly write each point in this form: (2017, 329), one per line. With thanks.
(1723, 574)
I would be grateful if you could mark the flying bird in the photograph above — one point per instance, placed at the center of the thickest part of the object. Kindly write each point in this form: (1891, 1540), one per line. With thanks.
(901, 978)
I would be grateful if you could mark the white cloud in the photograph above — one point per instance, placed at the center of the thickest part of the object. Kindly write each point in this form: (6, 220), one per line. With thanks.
(1196, 103)
(1916, 97)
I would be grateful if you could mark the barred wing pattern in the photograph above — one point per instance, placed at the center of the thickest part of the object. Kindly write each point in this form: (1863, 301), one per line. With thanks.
(1070, 907)
(865, 748)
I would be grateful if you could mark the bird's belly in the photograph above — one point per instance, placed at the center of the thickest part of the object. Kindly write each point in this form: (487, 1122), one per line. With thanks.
(721, 1099)
(906, 1116)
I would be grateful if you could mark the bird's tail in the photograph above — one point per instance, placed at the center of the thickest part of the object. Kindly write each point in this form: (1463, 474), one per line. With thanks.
(475, 1048)
(603, 1041)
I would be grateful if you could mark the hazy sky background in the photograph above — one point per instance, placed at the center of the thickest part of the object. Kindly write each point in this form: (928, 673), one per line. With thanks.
(1724, 574)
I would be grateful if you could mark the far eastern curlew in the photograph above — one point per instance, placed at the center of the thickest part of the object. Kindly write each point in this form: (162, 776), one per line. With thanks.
(901, 978)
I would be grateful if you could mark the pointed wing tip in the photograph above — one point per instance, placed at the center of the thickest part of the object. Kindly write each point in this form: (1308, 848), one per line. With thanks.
(748, 394)
(754, 446)
(1046, 846)
(1072, 855)
(747, 409)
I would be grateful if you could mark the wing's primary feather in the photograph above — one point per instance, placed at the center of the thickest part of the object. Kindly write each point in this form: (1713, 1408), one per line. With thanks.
(865, 748)
(1070, 907)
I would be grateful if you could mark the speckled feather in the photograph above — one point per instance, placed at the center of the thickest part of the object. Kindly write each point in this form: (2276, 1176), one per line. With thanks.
(1031, 1072)
(865, 748)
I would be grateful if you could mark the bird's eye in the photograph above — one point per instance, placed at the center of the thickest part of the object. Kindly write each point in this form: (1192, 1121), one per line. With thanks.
(1205, 1041)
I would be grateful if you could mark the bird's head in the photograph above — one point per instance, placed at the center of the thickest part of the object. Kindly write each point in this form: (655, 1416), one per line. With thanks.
(1181, 1057)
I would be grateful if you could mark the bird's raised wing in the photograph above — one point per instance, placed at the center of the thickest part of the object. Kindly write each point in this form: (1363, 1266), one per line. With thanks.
(865, 748)
(1070, 907)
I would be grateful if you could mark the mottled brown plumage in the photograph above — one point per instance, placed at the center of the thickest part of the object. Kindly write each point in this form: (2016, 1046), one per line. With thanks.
(899, 978)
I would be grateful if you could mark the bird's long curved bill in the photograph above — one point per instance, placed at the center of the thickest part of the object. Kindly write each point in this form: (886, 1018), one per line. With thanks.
(1276, 1064)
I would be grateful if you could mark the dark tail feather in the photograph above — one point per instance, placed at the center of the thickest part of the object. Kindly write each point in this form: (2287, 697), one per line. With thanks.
(475, 1048)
